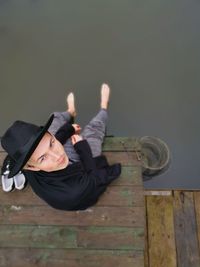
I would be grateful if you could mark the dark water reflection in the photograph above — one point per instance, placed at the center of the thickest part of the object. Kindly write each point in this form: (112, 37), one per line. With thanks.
(147, 51)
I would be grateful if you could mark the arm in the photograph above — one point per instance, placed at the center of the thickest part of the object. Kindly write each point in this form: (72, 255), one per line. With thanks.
(83, 149)
(65, 132)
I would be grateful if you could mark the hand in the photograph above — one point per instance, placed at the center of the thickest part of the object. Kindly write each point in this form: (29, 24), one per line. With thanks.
(77, 128)
(76, 138)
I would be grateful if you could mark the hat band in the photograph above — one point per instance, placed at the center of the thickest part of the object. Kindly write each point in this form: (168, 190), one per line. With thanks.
(23, 151)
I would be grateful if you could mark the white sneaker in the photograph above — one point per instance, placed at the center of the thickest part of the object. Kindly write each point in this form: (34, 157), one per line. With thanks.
(19, 181)
(7, 183)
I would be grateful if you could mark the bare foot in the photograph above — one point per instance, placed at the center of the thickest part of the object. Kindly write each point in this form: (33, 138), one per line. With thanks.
(105, 94)
(71, 105)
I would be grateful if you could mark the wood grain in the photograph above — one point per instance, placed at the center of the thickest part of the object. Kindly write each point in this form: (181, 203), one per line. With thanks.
(111, 233)
(161, 242)
(186, 230)
(70, 258)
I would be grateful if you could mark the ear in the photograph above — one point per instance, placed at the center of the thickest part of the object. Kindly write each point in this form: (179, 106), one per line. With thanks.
(31, 168)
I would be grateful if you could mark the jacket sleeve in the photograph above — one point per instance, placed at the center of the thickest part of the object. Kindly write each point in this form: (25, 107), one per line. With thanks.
(65, 132)
(83, 149)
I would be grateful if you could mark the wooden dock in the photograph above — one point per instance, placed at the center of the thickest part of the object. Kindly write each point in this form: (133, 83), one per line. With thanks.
(115, 232)
(173, 229)
(109, 234)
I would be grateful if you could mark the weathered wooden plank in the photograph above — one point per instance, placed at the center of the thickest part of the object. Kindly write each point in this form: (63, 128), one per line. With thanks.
(98, 216)
(110, 238)
(113, 196)
(108, 234)
(125, 158)
(146, 252)
(197, 212)
(69, 257)
(16, 236)
(122, 196)
(2, 157)
(130, 175)
(186, 230)
(121, 144)
(161, 242)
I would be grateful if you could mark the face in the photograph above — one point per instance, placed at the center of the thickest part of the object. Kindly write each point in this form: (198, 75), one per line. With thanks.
(48, 156)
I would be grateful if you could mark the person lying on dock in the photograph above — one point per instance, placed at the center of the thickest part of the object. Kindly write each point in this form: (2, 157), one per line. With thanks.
(64, 165)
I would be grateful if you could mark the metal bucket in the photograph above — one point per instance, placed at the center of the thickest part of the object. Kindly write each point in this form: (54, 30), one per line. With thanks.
(155, 156)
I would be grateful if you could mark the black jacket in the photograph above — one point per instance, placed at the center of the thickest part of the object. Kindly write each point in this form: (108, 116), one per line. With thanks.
(80, 184)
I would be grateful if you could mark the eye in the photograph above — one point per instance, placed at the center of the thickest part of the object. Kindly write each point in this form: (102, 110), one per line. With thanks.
(42, 158)
(52, 142)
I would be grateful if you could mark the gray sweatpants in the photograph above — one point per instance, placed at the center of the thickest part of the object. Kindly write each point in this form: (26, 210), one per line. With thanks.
(93, 132)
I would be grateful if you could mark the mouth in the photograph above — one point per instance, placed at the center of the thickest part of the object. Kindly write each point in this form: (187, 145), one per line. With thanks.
(61, 160)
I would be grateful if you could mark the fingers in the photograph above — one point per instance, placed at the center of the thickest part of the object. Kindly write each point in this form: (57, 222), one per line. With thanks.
(77, 128)
(73, 139)
(76, 138)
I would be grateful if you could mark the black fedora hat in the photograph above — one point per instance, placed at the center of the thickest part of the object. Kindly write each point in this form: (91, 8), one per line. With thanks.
(20, 140)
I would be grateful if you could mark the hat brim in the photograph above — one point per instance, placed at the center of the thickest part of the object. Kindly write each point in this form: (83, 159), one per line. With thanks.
(23, 160)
